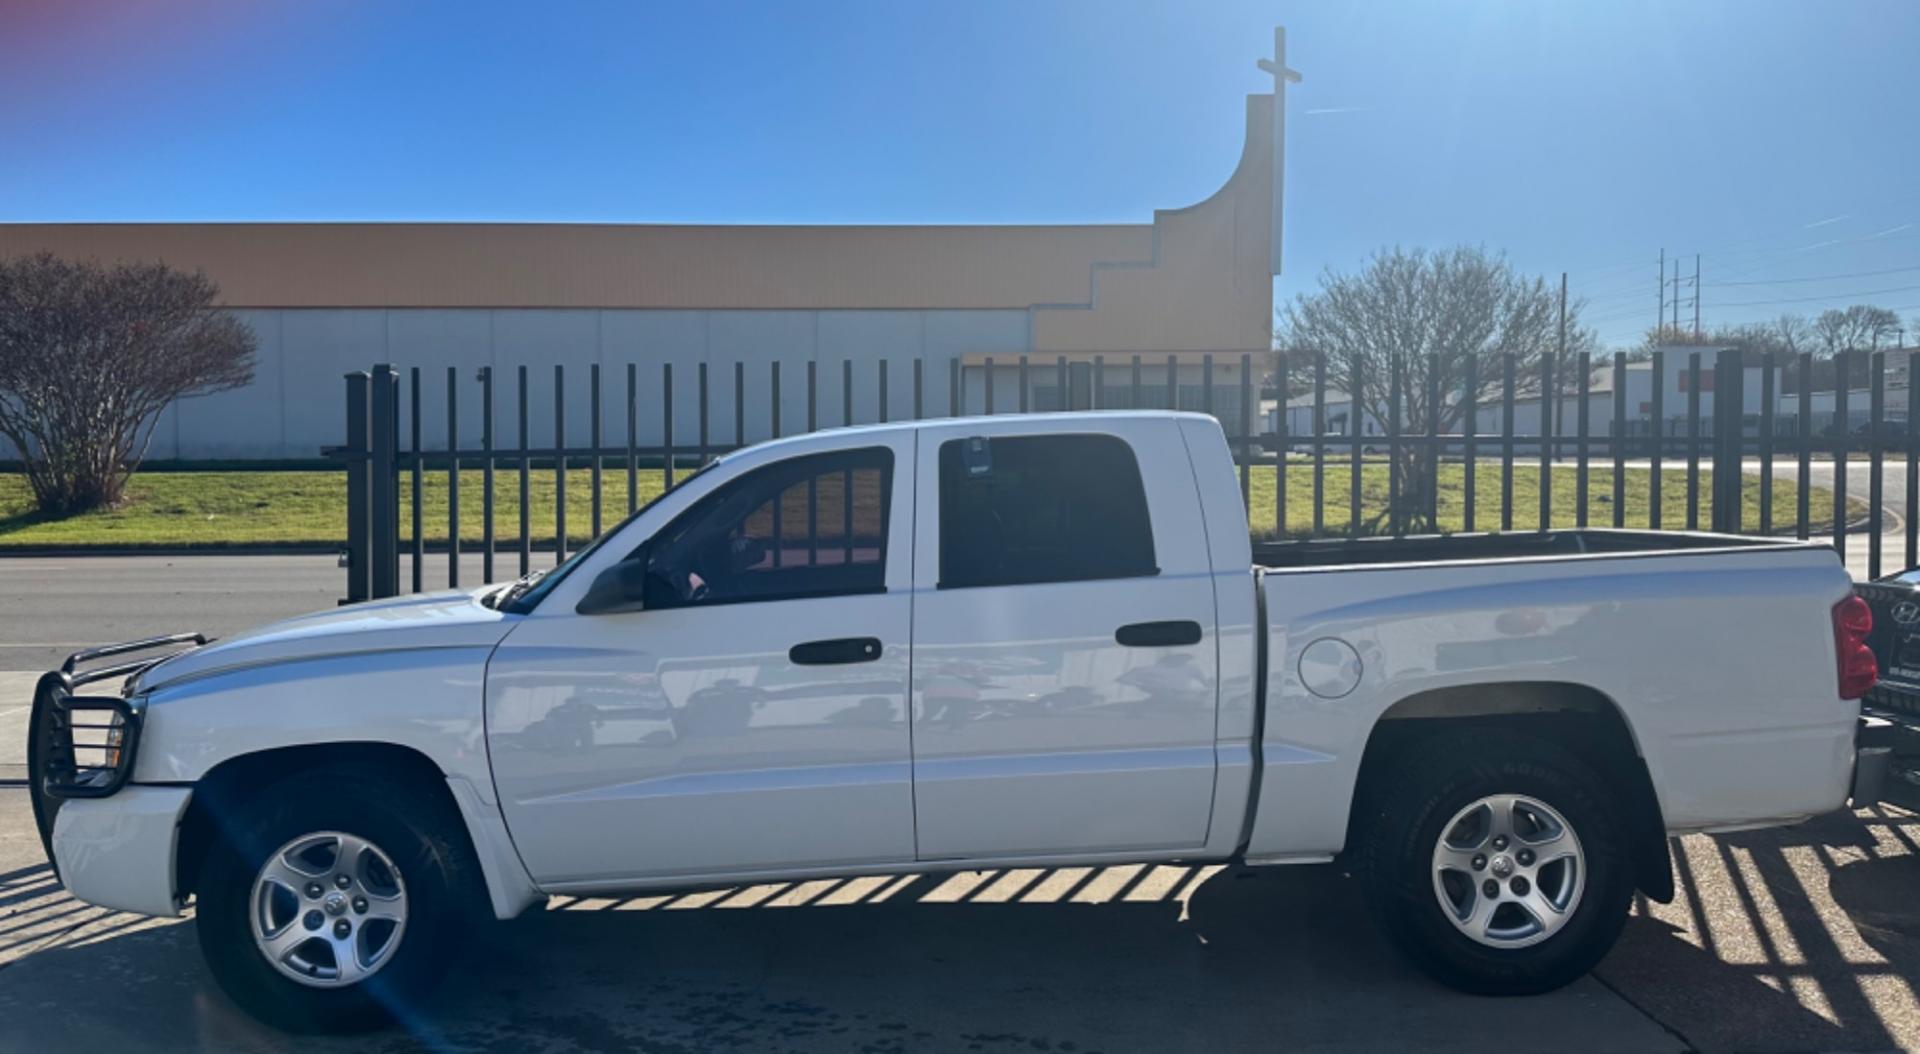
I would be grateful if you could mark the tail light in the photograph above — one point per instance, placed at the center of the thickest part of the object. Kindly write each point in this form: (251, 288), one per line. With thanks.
(1852, 621)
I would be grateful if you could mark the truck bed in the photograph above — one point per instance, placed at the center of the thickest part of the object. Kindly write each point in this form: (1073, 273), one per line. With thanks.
(1461, 548)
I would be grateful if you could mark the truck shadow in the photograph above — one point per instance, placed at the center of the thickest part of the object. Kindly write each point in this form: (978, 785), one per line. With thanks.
(1787, 939)
(1068, 959)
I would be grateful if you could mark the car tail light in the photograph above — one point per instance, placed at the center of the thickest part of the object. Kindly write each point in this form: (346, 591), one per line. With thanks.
(1852, 621)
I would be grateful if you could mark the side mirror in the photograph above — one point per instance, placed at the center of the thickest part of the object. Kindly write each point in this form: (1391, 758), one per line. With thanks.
(619, 588)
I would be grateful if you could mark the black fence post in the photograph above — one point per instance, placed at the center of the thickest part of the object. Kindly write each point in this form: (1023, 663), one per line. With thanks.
(1729, 424)
(526, 465)
(559, 464)
(1245, 446)
(1802, 513)
(596, 439)
(1842, 441)
(1434, 396)
(666, 425)
(357, 451)
(1876, 456)
(1506, 442)
(1469, 452)
(1583, 424)
(1549, 394)
(1393, 442)
(453, 477)
(486, 474)
(416, 475)
(1618, 439)
(1320, 438)
(1356, 424)
(1654, 486)
(1768, 378)
(1911, 445)
(383, 506)
(1280, 383)
(633, 435)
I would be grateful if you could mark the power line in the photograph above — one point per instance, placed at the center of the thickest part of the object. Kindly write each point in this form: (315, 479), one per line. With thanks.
(1745, 247)
(1816, 278)
(1812, 299)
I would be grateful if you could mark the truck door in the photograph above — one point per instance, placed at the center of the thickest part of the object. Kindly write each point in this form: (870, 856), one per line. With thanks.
(1065, 672)
(753, 715)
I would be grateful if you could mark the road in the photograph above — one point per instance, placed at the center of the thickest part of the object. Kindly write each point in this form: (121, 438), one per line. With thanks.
(51, 606)
(1805, 938)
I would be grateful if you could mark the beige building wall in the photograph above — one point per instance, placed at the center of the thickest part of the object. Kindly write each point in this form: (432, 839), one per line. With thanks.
(330, 297)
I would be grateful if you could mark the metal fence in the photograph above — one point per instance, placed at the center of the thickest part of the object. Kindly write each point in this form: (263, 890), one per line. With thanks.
(1741, 448)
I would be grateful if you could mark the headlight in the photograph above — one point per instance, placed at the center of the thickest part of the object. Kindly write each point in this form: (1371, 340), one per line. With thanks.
(87, 744)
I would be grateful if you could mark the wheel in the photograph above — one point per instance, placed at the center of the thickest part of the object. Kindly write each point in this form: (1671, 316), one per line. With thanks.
(1494, 862)
(336, 899)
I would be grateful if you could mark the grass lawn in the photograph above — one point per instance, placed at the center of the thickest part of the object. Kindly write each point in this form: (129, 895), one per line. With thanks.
(1374, 483)
(252, 508)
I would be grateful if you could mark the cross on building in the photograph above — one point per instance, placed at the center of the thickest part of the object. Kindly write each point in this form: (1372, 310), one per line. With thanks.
(1283, 75)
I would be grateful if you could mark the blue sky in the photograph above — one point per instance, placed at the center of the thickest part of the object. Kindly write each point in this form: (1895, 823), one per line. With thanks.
(1779, 140)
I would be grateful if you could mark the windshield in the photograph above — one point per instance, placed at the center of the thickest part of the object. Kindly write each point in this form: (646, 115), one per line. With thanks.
(523, 596)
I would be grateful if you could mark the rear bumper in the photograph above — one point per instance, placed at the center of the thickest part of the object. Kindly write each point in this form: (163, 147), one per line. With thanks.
(118, 852)
(1887, 759)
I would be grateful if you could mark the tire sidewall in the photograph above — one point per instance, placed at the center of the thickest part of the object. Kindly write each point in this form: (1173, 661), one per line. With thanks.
(380, 814)
(1412, 912)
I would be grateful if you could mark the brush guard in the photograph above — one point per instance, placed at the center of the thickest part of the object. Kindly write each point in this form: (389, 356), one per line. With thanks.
(83, 746)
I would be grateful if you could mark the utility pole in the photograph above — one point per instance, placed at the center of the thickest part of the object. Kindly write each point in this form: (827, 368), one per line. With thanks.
(1563, 314)
(1676, 295)
(1660, 317)
(1696, 296)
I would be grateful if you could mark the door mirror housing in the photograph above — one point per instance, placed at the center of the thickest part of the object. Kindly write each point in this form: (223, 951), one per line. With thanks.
(619, 588)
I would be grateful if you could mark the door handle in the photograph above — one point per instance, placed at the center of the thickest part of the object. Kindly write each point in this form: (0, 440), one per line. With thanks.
(835, 652)
(1172, 634)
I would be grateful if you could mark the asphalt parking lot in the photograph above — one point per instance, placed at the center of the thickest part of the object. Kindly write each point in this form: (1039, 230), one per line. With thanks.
(1798, 939)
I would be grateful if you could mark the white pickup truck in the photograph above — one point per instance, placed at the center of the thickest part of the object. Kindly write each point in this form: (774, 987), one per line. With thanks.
(1038, 640)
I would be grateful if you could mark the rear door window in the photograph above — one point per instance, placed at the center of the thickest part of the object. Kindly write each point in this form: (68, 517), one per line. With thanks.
(1016, 510)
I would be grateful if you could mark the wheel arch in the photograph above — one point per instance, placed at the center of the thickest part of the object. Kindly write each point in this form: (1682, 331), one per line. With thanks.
(221, 794)
(1576, 716)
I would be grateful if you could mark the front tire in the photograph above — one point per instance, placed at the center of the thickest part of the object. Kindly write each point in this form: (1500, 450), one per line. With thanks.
(1494, 861)
(335, 899)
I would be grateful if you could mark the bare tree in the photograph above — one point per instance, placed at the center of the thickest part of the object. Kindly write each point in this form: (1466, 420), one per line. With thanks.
(1433, 317)
(1794, 333)
(1785, 337)
(90, 355)
(1858, 328)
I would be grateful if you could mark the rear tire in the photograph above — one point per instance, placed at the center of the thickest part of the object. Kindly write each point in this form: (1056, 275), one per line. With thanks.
(402, 903)
(1493, 860)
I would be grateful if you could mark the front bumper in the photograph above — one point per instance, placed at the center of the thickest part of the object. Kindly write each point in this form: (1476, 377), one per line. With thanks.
(118, 852)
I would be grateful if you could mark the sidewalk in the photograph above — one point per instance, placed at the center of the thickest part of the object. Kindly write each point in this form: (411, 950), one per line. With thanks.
(16, 700)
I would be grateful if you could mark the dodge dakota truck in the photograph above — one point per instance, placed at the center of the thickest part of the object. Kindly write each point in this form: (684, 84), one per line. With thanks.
(1016, 641)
